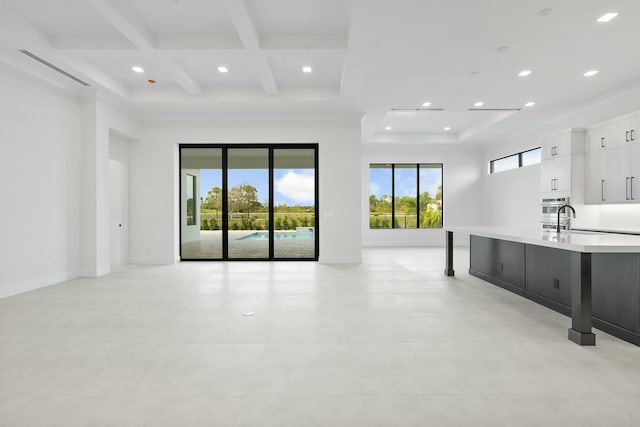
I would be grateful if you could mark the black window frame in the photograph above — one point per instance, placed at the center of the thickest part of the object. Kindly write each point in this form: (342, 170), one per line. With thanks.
(393, 195)
(492, 162)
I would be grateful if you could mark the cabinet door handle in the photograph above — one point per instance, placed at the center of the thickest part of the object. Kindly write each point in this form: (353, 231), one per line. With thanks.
(631, 134)
(626, 189)
(602, 190)
(631, 189)
(627, 135)
(602, 142)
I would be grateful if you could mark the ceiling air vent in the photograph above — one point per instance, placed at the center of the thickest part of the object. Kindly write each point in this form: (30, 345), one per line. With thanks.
(53, 67)
(417, 109)
(494, 109)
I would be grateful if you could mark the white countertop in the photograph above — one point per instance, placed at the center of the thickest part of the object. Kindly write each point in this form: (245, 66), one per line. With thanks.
(579, 241)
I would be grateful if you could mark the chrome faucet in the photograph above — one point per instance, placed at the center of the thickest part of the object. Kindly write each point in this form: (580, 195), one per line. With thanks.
(560, 210)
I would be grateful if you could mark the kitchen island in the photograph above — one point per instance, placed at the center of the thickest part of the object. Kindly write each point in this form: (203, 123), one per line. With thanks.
(593, 277)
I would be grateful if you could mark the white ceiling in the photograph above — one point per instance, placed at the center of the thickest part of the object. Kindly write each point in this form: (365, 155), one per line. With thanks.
(368, 56)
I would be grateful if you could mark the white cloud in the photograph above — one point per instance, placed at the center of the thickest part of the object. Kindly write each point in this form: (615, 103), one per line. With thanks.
(297, 187)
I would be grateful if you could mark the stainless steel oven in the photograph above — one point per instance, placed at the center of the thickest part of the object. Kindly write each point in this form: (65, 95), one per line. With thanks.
(550, 214)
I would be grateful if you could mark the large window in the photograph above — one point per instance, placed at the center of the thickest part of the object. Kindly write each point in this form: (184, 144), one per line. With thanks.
(405, 195)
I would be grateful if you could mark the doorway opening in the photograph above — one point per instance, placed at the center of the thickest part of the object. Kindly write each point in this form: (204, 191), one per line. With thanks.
(249, 202)
(117, 212)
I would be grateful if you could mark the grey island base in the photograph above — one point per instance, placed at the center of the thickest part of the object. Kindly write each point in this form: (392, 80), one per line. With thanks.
(592, 277)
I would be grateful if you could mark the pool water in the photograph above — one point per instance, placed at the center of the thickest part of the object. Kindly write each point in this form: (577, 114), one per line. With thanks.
(278, 235)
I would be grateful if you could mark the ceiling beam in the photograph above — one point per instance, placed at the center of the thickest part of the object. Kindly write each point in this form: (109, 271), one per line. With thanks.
(248, 33)
(99, 76)
(125, 23)
(135, 32)
(298, 45)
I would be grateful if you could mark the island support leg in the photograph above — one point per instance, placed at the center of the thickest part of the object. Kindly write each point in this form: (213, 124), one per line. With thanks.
(580, 331)
(449, 247)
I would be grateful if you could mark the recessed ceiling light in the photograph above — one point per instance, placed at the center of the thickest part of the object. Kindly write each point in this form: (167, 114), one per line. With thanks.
(478, 104)
(544, 12)
(591, 73)
(426, 104)
(137, 69)
(387, 128)
(524, 73)
(223, 69)
(447, 128)
(530, 104)
(307, 69)
(607, 17)
(502, 49)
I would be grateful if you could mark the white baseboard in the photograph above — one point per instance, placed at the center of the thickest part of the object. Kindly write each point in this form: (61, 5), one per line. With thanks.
(30, 285)
(151, 261)
(340, 260)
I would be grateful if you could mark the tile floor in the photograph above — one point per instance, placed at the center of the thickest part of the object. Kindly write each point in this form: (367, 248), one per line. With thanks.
(390, 342)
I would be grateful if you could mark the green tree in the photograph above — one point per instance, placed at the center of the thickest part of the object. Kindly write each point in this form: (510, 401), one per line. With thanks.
(243, 199)
(373, 203)
(213, 200)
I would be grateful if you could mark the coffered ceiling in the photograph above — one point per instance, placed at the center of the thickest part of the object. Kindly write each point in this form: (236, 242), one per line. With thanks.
(382, 58)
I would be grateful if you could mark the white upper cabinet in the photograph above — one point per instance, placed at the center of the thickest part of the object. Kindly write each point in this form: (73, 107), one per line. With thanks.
(612, 162)
(599, 138)
(556, 169)
(562, 144)
(595, 176)
(618, 171)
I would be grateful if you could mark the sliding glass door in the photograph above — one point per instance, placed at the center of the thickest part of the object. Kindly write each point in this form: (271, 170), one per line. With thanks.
(247, 202)
(294, 203)
(243, 202)
(201, 203)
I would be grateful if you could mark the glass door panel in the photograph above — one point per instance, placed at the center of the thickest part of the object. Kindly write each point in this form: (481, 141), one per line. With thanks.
(380, 191)
(430, 196)
(294, 203)
(405, 204)
(201, 203)
(248, 203)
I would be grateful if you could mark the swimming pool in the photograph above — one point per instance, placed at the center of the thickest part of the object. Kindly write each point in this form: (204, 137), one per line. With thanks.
(279, 235)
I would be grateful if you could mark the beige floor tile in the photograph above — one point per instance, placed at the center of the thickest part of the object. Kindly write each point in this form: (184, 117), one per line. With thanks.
(389, 342)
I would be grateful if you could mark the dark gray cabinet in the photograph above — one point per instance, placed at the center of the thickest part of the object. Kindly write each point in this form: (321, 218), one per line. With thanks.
(548, 277)
(543, 275)
(615, 290)
(498, 261)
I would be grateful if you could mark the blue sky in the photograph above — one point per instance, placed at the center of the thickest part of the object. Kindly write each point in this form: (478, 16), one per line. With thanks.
(291, 186)
(380, 181)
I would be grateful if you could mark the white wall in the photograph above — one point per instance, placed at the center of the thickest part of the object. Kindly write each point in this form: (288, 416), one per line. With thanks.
(40, 176)
(154, 187)
(100, 121)
(513, 199)
(462, 191)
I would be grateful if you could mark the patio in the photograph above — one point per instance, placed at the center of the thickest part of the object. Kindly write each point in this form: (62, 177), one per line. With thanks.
(209, 246)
